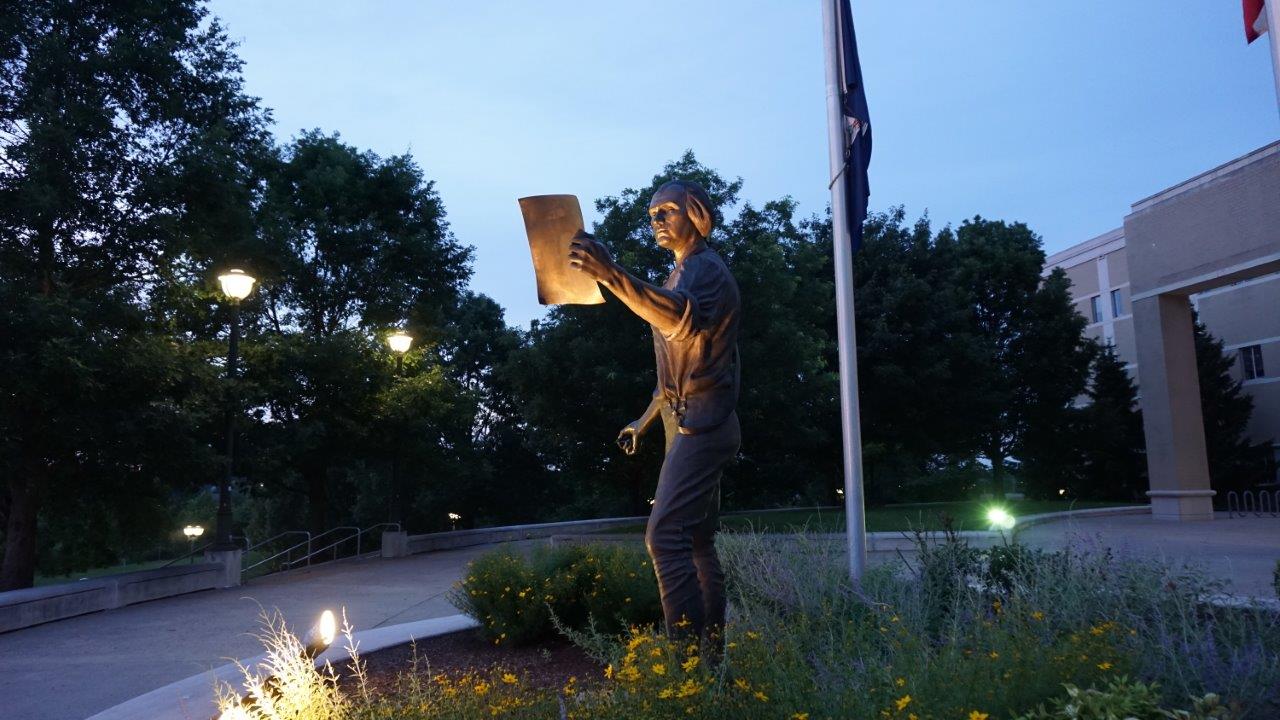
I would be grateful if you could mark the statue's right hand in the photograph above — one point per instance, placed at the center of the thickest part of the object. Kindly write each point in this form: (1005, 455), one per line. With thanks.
(629, 439)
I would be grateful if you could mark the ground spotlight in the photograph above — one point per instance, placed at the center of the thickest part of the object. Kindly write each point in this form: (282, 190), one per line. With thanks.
(1000, 518)
(321, 635)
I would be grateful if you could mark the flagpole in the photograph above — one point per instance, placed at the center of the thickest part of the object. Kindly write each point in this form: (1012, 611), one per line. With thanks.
(1272, 10)
(841, 240)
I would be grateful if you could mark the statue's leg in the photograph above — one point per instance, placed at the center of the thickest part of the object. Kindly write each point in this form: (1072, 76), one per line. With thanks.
(685, 505)
(705, 558)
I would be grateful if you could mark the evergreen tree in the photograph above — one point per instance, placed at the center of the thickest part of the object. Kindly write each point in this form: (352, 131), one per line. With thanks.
(1114, 463)
(1234, 462)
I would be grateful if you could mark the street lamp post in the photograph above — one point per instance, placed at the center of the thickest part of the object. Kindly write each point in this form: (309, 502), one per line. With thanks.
(399, 342)
(193, 532)
(237, 286)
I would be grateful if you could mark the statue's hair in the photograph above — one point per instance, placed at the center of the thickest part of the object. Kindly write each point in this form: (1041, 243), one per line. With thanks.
(696, 202)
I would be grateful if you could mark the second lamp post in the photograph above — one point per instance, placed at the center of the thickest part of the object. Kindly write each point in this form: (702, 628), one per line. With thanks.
(237, 286)
(399, 341)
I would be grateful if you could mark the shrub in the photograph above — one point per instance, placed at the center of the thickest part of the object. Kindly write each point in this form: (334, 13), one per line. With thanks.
(1121, 698)
(608, 587)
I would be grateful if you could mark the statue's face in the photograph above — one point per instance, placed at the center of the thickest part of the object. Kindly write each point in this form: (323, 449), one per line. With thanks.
(670, 221)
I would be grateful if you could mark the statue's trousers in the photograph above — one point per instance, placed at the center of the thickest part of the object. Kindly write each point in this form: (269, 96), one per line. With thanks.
(682, 525)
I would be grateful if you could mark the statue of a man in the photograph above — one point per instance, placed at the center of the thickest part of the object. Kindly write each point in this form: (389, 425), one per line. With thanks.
(694, 317)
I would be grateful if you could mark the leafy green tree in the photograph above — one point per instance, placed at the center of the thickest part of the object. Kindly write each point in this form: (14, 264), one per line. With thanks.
(915, 353)
(102, 105)
(355, 244)
(1037, 359)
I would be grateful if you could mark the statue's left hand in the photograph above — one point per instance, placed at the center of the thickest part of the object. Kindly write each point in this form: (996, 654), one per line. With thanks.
(590, 257)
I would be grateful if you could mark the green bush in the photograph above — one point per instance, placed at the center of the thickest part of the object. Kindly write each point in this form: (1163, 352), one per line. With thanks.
(1121, 698)
(610, 588)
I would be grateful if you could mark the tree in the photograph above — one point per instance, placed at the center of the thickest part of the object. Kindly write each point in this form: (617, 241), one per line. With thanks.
(1108, 435)
(355, 244)
(101, 104)
(1234, 462)
(1036, 358)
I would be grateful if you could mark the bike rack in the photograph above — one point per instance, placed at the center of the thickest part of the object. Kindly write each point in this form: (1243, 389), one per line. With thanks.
(1233, 504)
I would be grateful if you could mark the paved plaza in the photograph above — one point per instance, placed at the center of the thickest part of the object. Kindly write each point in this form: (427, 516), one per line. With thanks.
(77, 667)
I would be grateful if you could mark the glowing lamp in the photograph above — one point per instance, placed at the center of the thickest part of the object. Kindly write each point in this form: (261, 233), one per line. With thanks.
(400, 341)
(236, 284)
(321, 635)
(455, 517)
(193, 531)
(1000, 518)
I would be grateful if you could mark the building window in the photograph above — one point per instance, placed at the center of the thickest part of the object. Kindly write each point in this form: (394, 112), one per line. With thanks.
(1095, 307)
(1117, 304)
(1251, 357)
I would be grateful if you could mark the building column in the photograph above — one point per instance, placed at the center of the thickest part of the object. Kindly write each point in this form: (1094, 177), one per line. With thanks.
(1177, 467)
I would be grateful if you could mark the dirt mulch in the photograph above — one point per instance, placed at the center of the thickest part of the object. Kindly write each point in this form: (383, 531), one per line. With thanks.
(546, 665)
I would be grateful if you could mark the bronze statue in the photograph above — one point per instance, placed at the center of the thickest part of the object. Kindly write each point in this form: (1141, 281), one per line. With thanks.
(694, 317)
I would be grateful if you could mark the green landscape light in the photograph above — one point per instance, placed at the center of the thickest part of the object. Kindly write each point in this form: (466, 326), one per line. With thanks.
(1000, 518)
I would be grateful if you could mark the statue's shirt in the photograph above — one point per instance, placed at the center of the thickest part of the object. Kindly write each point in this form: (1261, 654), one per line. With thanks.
(698, 369)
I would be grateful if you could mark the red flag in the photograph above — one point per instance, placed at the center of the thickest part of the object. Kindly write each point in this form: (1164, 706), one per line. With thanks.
(1255, 21)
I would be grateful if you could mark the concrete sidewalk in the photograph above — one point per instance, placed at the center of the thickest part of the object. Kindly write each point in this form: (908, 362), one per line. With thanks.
(77, 667)
(1241, 551)
(74, 668)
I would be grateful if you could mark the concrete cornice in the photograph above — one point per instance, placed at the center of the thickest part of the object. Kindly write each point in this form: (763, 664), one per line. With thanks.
(1206, 177)
(1107, 242)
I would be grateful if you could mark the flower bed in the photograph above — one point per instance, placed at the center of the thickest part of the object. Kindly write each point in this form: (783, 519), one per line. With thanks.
(952, 633)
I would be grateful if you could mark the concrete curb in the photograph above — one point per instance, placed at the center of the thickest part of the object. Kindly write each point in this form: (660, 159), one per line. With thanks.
(904, 540)
(193, 698)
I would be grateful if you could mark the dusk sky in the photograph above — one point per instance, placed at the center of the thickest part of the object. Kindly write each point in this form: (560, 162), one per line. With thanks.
(1057, 114)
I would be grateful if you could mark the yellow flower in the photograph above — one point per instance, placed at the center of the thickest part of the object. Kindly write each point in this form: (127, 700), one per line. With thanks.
(975, 715)
(902, 702)
(741, 684)
(683, 622)
(690, 664)
(608, 671)
(1037, 615)
(655, 652)
(688, 688)
(1104, 665)
(508, 678)
(800, 716)
(1095, 631)
(900, 682)
(481, 688)
(659, 669)
(665, 693)
(993, 655)
(761, 696)
(752, 635)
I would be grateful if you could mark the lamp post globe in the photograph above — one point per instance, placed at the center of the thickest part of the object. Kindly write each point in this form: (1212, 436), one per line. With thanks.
(237, 285)
(400, 341)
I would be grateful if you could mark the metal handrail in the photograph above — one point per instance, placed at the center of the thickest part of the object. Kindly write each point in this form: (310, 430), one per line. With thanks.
(277, 536)
(287, 551)
(357, 535)
(334, 544)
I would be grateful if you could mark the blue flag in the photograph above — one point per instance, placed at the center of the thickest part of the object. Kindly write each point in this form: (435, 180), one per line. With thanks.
(853, 102)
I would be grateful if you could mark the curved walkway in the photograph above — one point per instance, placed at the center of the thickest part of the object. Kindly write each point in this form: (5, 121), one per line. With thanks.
(77, 667)
(74, 668)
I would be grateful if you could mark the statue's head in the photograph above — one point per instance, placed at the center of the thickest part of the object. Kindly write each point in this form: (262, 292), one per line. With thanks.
(680, 214)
